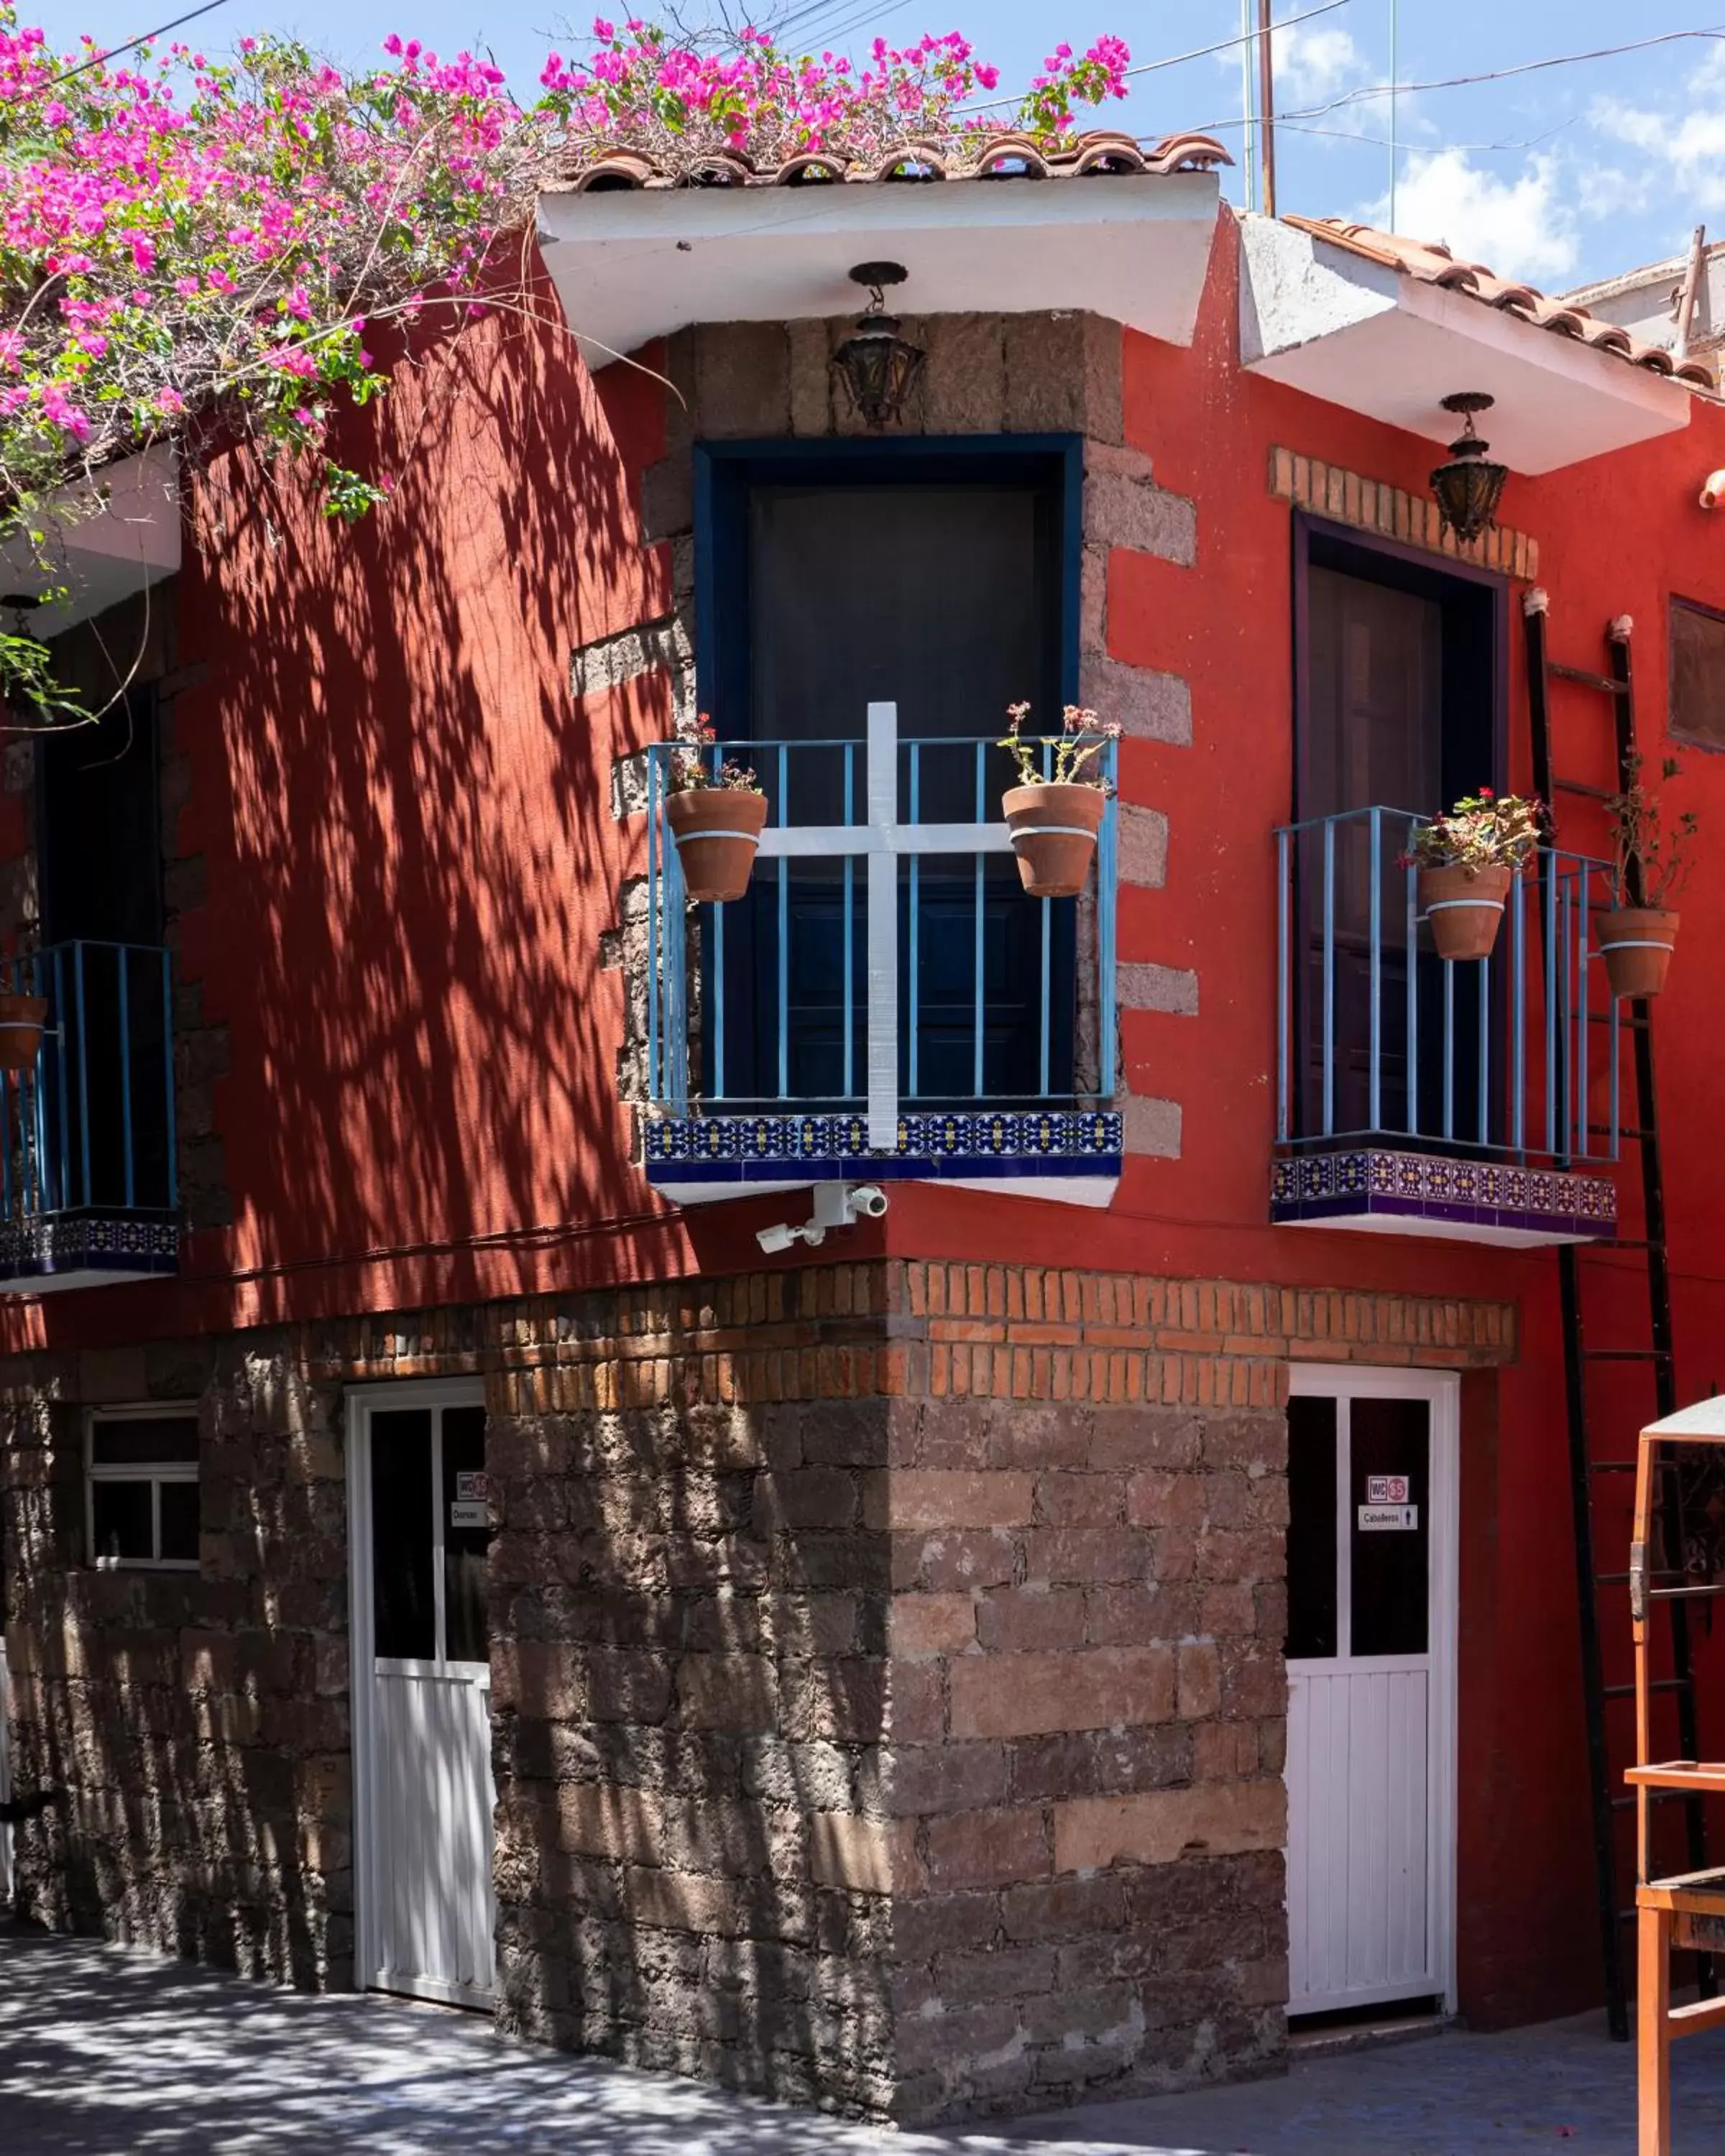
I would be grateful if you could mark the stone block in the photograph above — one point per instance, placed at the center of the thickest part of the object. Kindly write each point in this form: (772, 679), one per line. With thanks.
(1160, 1826)
(912, 1780)
(978, 1849)
(1152, 1128)
(1024, 1619)
(1149, 705)
(964, 378)
(628, 1685)
(1142, 846)
(811, 379)
(921, 1499)
(1126, 509)
(1198, 1684)
(819, 1497)
(743, 379)
(1028, 1694)
(932, 1624)
(1173, 989)
(1084, 1557)
(667, 498)
(1081, 1500)
(863, 1855)
(627, 1824)
(735, 1693)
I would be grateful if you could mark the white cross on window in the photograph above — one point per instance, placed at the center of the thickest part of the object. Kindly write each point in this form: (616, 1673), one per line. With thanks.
(883, 839)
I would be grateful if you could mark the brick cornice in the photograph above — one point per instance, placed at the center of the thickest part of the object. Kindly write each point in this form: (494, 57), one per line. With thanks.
(1348, 497)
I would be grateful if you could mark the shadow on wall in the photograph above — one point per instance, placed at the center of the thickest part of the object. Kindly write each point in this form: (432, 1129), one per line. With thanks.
(407, 824)
(198, 1722)
(690, 1638)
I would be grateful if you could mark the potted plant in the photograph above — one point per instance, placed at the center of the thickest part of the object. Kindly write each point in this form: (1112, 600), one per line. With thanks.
(1054, 817)
(716, 814)
(1467, 860)
(1649, 867)
(23, 1018)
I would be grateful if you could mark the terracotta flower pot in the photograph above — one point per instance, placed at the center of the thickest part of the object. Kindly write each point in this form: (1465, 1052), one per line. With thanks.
(1053, 835)
(717, 829)
(22, 1019)
(1635, 943)
(1465, 908)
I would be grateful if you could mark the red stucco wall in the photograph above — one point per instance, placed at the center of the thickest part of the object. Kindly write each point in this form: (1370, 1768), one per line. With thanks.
(411, 859)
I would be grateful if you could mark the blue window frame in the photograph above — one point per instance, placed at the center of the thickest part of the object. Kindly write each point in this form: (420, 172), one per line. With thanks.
(826, 575)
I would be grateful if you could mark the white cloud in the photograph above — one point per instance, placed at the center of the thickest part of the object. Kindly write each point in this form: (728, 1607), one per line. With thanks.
(1688, 142)
(1519, 227)
(1313, 63)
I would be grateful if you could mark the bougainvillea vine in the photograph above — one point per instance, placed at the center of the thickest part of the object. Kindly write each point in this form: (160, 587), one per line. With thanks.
(196, 249)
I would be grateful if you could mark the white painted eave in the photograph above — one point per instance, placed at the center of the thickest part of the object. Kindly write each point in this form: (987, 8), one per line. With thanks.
(631, 265)
(1373, 340)
(109, 537)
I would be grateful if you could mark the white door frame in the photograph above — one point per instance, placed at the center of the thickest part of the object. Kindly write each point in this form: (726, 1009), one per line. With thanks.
(360, 1402)
(1442, 1390)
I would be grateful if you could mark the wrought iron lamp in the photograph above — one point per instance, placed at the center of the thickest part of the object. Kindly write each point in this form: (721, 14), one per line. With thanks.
(878, 366)
(1467, 487)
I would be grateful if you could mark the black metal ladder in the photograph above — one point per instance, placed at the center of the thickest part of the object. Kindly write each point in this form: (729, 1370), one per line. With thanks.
(1610, 1749)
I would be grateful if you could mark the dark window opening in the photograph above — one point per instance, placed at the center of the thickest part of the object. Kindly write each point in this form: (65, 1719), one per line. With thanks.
(404, 1581)
(99, 825)
(1697, 675)
(144, 1505)
(1400, 704)
(1312, 1529)
(943, 583)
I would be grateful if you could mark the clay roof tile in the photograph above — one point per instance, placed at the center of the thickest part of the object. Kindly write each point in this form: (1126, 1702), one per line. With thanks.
(1433, 264)
(1005, 155)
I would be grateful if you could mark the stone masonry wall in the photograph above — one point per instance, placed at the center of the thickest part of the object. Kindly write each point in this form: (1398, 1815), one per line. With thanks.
(198, 1722)
(888, 1697)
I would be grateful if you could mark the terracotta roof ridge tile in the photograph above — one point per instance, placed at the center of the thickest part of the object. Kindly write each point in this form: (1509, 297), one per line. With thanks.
(1006, 153)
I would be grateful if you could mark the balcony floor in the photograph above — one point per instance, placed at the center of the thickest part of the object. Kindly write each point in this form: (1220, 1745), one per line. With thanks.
(1379, 1190)
(1071, 1156)
(54, 1253)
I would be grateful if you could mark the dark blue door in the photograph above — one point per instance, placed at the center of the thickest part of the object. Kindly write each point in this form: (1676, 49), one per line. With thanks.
(943, 593)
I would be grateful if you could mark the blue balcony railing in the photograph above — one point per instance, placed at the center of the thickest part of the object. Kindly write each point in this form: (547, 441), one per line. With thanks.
(1513, 1057)
(886, 969)
(87, 1170)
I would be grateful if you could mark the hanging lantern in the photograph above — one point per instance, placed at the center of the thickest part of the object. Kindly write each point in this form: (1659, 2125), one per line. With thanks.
(878, 368)
(1468, 486)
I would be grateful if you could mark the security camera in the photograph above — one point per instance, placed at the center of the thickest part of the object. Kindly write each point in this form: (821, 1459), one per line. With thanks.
(781, 1238)
(836, 1205)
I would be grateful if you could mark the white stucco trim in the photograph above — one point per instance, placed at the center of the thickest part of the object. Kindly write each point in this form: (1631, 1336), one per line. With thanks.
(1375, 341)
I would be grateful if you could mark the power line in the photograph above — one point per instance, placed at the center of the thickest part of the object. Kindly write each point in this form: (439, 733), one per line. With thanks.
(1490, 74)
(1423, 150)
(1179, 59)
(113, 51)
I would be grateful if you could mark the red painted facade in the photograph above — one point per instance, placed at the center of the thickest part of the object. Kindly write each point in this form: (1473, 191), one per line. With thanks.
(412, 862)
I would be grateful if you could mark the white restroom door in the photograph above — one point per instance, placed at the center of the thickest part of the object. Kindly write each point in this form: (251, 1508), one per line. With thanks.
(422, 1691)
(1371, 1645)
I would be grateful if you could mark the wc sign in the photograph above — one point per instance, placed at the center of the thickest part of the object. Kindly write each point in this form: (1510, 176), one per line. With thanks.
(1387, 1510)
(468, 1508)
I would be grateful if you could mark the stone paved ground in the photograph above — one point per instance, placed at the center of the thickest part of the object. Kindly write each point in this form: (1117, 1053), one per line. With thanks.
(104, 2053)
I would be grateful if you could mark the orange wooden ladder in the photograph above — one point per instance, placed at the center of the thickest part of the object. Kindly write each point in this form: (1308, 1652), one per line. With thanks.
(1685, 1911)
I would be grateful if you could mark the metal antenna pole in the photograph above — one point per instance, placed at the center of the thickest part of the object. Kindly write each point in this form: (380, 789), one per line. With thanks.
(1394, 12)
(1245, 103)
(1266, 108)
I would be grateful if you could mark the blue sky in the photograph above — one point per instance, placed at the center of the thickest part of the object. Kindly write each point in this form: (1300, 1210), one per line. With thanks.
(1561, 175)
